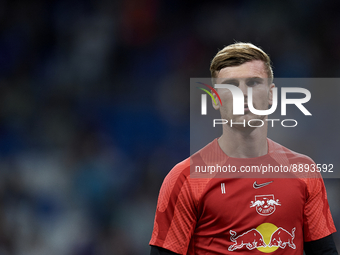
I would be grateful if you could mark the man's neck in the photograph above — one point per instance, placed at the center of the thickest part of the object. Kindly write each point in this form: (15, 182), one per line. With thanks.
(244, 143)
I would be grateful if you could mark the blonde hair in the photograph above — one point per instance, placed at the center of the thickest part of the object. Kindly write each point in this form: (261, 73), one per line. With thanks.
(237, 54)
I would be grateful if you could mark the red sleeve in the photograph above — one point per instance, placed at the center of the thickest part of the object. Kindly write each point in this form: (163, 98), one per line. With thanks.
(176, 211)
(318, 221)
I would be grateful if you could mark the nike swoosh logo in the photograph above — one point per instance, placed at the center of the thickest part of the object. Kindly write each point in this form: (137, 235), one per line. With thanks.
(257, 186)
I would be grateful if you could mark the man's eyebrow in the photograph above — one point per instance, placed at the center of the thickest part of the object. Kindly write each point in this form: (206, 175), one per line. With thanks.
(236, 81)
(255, 78)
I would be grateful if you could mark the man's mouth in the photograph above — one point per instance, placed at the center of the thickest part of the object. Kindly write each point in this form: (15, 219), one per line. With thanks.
(246, 108)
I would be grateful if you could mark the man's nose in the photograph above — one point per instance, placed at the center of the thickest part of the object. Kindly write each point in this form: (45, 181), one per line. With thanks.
(244, 88)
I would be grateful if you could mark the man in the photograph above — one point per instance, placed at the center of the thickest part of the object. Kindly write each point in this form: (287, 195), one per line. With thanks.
(219, 215)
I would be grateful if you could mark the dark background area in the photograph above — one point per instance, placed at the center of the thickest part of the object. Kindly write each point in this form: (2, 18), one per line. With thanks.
(94, 107)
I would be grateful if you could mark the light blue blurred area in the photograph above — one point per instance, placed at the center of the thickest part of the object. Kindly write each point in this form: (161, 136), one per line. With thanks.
(94, 107)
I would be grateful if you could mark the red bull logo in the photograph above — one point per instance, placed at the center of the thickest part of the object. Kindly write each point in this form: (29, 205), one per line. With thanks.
(251, 239)
(265, 204)
(266, 238)
(281, 238)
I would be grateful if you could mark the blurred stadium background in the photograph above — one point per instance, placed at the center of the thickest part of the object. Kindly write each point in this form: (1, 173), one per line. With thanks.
(94, 107)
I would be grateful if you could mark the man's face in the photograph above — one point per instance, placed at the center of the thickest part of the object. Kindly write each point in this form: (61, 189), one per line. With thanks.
(250, 74)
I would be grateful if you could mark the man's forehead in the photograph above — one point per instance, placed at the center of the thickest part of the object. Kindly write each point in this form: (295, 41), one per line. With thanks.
(255, 68)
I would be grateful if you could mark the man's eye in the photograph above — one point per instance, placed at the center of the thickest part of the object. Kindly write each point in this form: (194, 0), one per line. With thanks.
(231, 82)
(253, 83)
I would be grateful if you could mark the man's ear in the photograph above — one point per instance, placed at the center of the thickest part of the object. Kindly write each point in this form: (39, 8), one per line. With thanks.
(217, 105)
(270, 95)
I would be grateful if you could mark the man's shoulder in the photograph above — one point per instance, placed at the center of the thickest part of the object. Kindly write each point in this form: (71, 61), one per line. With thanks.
(182, 169)
(179, 174)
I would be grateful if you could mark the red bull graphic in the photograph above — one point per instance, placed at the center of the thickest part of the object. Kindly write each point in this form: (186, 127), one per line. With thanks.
(281, 238)
(265, 204)
(266, 238)
(251, 239)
